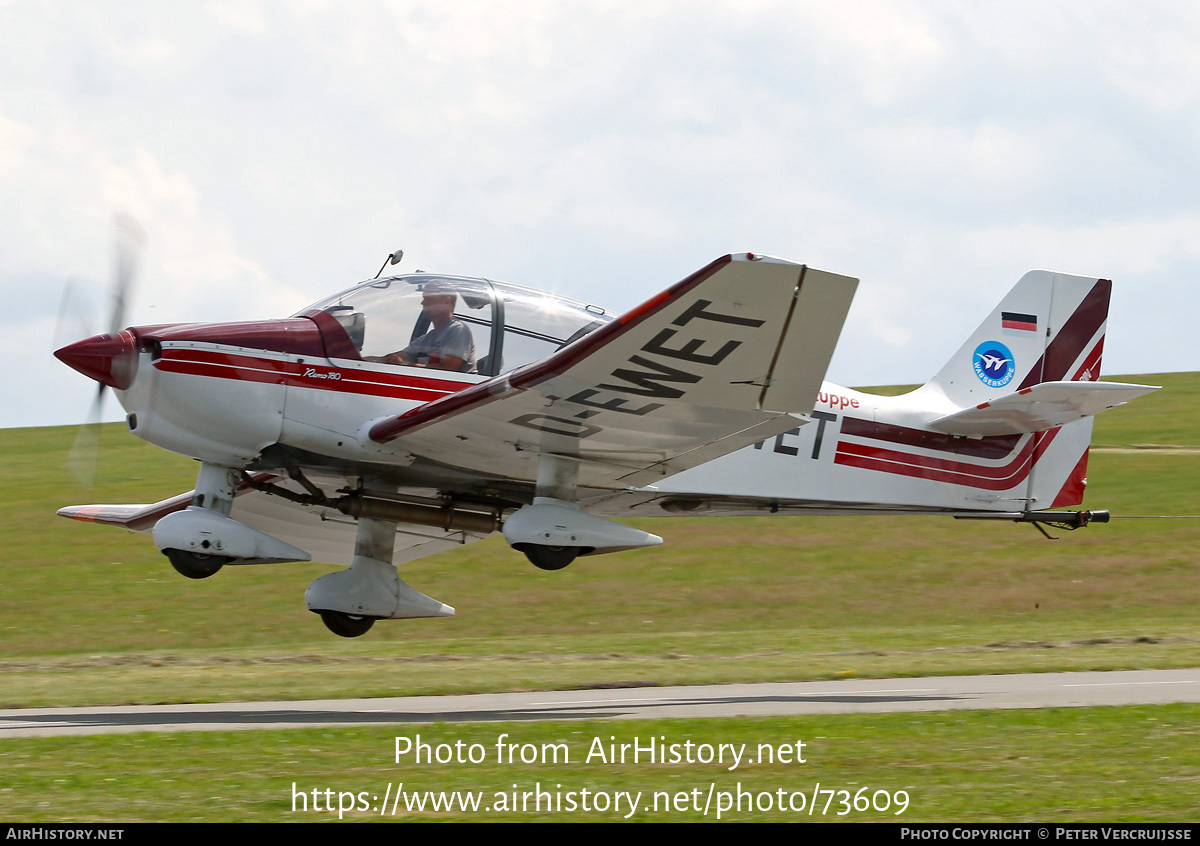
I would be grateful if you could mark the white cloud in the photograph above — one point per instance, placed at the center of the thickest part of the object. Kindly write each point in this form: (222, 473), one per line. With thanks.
(275, 152)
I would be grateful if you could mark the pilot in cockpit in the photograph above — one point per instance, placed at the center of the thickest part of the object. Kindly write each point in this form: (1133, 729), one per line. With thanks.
(447, 345)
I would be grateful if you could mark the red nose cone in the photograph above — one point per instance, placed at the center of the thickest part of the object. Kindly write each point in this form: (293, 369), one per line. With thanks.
(110, 359)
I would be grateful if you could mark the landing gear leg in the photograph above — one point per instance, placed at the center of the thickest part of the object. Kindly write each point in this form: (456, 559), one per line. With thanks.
(557, 480)
(216, 487)
(350, 601)
(553, 530)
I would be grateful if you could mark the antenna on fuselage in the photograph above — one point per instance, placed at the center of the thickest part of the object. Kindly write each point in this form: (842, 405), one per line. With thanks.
(393, 258)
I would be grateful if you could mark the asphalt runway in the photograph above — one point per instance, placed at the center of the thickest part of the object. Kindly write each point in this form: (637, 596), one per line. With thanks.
(940, 693)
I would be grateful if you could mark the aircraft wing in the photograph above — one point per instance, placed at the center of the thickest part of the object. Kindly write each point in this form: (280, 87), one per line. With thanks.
(731, 355)
(325, 533)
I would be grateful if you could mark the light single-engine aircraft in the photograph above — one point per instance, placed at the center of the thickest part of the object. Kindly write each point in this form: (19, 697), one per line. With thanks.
(342, 434)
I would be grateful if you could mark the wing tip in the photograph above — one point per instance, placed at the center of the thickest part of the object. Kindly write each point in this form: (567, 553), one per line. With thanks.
(86, 513)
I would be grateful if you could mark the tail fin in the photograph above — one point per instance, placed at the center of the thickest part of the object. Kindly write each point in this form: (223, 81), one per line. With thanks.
(1031, 369)
(1033, 364)
(1049, 328)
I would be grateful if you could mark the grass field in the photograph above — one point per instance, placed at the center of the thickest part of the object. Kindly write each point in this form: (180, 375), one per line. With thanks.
(90, 615)
(1050, 766)
(94, 615)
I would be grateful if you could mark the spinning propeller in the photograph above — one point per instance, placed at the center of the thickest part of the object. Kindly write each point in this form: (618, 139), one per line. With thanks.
(110, 359)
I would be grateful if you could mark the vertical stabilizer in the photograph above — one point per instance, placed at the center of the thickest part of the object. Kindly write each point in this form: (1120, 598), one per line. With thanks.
(1049, 328)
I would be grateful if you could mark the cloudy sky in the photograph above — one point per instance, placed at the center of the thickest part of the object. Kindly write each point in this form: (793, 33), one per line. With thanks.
(276, 152)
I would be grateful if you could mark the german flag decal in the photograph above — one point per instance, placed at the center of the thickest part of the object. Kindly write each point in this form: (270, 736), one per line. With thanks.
(1016, 320)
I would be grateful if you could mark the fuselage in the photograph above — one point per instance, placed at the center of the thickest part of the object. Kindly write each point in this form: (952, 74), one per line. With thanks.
(301, 390)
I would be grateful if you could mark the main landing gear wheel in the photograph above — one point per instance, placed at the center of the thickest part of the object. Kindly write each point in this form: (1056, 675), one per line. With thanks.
(550, 557)
(346, 625)
(195, 565)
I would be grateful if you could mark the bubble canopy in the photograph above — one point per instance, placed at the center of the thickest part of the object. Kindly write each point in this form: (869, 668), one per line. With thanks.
(510, 325)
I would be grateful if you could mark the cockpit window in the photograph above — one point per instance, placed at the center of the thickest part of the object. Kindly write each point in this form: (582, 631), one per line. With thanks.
(538, 324)
(385, 317)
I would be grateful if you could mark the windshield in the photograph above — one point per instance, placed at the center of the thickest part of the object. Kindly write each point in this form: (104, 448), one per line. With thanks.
(510, 326)
(384, 317)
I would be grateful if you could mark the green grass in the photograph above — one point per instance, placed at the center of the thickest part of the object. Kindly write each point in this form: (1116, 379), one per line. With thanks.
(94, 615)
(90, 615)
(1052, 766)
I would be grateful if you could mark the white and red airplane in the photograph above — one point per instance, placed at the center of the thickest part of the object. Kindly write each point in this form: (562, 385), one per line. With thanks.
(318, 439)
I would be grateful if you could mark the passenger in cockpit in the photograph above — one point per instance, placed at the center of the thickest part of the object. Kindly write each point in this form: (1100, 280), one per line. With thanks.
(447, 345)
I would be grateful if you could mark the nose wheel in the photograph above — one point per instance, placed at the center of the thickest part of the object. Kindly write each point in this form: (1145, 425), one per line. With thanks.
(346, 625)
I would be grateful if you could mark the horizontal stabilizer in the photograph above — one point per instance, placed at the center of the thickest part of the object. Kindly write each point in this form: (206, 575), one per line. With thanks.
(1041, 407)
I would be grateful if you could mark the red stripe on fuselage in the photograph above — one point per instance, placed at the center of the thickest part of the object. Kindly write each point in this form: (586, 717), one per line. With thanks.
(247, 368)
(996, 478)
(993, 446)
(1003, 471)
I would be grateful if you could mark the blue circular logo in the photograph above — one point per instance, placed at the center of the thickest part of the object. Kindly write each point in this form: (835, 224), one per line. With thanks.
(994, 364)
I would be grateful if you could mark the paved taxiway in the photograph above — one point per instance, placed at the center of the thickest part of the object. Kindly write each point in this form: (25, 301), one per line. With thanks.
(1036, 690)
